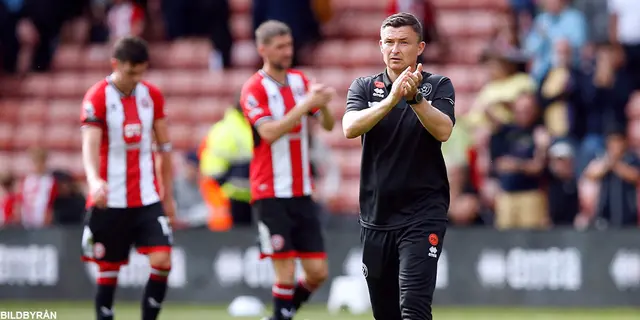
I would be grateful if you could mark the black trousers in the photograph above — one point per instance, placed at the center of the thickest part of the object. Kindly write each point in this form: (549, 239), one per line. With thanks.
(400, 267)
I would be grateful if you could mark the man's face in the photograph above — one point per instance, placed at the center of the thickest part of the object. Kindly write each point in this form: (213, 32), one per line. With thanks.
(525, 111)
(130, 74)
(400, 47)
(278, 52)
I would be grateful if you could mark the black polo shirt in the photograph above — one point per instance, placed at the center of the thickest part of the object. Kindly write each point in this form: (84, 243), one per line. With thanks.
(403, 176)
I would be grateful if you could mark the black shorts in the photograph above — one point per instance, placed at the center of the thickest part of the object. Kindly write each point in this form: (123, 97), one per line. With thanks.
(289, 228)
(400, 267)
(110, 233)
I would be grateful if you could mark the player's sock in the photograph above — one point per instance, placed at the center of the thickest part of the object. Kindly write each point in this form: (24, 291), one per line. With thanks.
(282, 302)
(107, 281)
(154, 293)
(302, 293)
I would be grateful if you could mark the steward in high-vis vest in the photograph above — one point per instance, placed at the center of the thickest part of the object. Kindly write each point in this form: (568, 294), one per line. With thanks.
(225, 154)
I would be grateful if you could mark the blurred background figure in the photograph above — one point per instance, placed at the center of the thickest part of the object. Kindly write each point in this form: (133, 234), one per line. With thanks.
(39, 191)
(562, 189)
(69, 203)
(9, 201)
(192, 211)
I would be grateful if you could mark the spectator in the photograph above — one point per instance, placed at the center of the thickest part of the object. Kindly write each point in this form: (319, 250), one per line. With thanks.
(192, 211)
(595, 12)
(558, 21)
(201, 18)
(492, 106)
(39, 192)
(465, 202)
(562, 190)
(125, 18)
(69, 204)
(618, 172)
(625, 37)
(298, 15)
(10, 11)
(518, 155)
(425, 11)
(505, 41)
(9, 201)
(559, 93)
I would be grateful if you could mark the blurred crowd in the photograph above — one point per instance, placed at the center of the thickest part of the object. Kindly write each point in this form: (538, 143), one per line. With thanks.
(548, 140)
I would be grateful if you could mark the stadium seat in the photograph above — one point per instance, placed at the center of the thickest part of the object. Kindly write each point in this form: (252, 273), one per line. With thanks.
(360, 25)
(207, 110)
(363, 53)
(241, 27)
(27, 135)
(64, 111)
(471, 4)
(11, 87)
(192, 54)
(5, 159)
(159, 78)
(467, 51)
(244, 54)
(359, 5)
(348, 199)
(180, 83)
(212, 83)
(96, 57)
(32, 111)
(182, 136)
(335, 77)
(67, 85)
(21, 163)
(232, 84)
(337, 107)
(335, 138)
(330, 53)
(457, 24)
(67, 57)
(177, 108)
(9, 110)
(6, 135)
(64, 137)
(36, 85)
(349, 161)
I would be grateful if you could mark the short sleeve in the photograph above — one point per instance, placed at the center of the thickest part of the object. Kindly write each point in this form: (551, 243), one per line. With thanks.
(445, 98)
(94, 107)
(159, 111)
(255, 104)
(357, 96)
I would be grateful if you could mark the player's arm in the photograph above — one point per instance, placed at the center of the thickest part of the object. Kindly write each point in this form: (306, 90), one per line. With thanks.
(327, 121)
(255, 106)
(359, 118)
(93, 123)
(164, 163)
(438, 116)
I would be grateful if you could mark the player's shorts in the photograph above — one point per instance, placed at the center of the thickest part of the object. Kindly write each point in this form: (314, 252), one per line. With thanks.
(400, 267)
(110, 233)
(289, 228)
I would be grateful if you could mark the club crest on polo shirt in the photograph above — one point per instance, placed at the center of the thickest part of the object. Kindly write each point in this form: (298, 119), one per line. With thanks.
(378, 92)
(426, 89)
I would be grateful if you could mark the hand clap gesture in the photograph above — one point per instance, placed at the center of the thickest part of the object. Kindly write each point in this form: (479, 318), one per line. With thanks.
(406, 85)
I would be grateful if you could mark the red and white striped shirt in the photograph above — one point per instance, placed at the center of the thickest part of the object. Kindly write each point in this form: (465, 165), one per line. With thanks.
(281, 169)
(38, 193)
(126, 151)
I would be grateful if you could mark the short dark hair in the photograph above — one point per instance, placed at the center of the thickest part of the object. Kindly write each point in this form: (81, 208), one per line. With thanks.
(403, 19)
(131, 49)
(271, 29)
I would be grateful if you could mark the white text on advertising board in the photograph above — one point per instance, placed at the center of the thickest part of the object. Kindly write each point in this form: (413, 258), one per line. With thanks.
(531, 269)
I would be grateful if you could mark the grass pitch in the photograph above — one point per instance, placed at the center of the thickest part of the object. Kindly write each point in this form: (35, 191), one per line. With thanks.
(128, 311)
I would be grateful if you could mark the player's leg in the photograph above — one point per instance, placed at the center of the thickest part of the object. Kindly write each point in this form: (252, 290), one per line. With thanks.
(274, 228)
(106, 240)
(380, 269)
(309, 245)
(154, 238)
(419, 249)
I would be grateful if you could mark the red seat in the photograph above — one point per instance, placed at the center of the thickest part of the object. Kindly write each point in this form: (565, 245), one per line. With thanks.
(36, 85)
(358, 25)
(188, 54)
(337, 107)
(359, 5)
(244, 54)
(32, 111)
(28, 135)
(349, 160)
(241, 27)
(11, 86)
(330, 53)
(158, 78)
(335, 77)
(180, 83)
(68, 57)
(158, 55)
(62, 137)
(182, 136)
(363, 53)
(64, 111)
(208, 110)
(348, 200)
(471, 4)
(6, 135)
(67, 84)
(96, 57)
(235, 80)
(467, 52)
(21, 163)
(177, 108)
(5, 159)
(212, 83)
(9, 109)
(335, 138)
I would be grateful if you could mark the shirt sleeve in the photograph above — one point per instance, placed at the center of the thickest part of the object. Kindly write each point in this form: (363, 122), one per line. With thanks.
(357, 96)
(255, 104)
(94, 108)
(445, 99)
(159, 111)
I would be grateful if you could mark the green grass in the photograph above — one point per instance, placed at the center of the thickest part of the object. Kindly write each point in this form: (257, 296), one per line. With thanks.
(128, 311)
